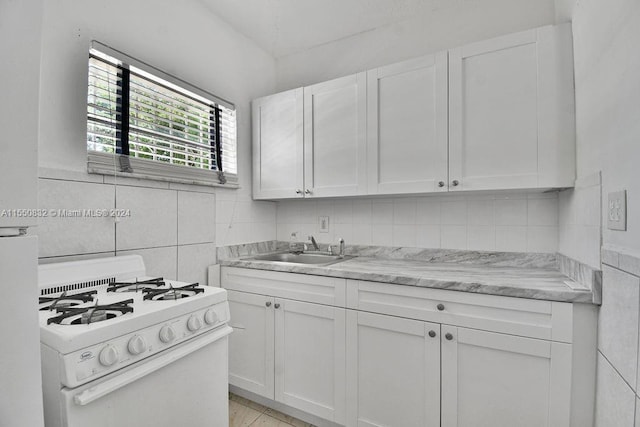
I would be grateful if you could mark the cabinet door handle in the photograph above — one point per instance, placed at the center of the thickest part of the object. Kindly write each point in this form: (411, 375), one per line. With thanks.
(440, 307)
(277, 305)
(448, 336)
(268, 303)
(440, 183)
(455, 182)
(298, 191)
(432, 334)
(307, 191)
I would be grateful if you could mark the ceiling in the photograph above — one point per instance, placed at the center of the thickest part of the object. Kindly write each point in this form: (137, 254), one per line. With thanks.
(284, 27)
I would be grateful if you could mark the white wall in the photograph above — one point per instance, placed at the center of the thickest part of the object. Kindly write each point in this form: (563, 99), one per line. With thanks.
(509, 222)
(451, 23)
(607, 66)
(502, 222)
(175, 227)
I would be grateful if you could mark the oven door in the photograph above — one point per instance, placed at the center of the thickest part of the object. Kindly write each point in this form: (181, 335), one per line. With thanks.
(185, 386)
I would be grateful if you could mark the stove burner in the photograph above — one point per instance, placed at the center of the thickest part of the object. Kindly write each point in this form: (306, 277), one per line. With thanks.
(135, 286)
(65, 301)
(92, 314)
(172, 293)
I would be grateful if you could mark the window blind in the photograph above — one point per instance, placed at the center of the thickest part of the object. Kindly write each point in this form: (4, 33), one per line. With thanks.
(134, 112)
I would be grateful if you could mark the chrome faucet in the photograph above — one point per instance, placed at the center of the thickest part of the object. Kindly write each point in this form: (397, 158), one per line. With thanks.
(314, 243)
(341, 242)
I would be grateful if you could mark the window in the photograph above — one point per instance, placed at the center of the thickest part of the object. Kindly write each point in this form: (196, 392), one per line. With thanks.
(156, 125)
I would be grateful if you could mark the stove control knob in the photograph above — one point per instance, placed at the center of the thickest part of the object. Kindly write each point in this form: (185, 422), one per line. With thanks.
(167, 334)
(210, 317)
(137, 345)
(194, 323)
(108, 355)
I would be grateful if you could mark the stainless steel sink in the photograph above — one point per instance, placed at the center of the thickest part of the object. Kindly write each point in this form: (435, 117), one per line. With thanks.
(303, 258)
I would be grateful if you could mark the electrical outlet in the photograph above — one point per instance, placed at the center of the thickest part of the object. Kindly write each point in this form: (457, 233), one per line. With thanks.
(323, 222)
(617, 211)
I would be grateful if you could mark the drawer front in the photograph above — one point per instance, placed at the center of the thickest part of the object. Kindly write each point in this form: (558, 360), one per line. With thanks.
(301, 287)
(518, 316)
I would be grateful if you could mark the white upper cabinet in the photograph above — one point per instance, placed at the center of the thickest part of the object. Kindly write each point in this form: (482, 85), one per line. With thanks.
(335, 151)
(511, 112)
(407, 126)
(278, 145)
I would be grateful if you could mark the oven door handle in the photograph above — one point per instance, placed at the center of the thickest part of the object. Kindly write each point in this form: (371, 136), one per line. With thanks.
(147, 367)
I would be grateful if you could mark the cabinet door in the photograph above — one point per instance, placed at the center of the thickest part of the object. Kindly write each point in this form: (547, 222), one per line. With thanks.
(251, 343)
(310, 358)
(278, 145)
(335, 137)
(511, 112)
(493, 380)
(407, 126)
(393, 371)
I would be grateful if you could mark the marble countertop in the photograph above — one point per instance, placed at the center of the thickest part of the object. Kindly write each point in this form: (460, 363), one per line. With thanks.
(542, 283)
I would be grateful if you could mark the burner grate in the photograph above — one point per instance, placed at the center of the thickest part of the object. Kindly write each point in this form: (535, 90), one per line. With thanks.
(87, 315)
(76, 286)
(171, 293)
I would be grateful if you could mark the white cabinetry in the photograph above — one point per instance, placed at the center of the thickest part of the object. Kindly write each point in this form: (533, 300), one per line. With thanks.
(511, 112)
(393, 371)
(277, 145)
(407, 126)
(289, 351)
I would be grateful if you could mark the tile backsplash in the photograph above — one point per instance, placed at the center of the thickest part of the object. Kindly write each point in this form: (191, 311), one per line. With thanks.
(518, 222)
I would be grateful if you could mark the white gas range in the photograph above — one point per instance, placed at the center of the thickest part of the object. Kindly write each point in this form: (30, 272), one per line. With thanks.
(120, 348)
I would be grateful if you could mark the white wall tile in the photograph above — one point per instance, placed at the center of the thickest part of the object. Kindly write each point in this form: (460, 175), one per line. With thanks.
(480, 212)
(428, 211)
(428, 236)
(542, 239)
(343, 212)
(511, 212)
(193, 262)
(196, 217)
(618, 322)
(382, 212)
(481, 237)
(159, 262)
(453, 212)
(72, 235)
(382, 234)
(404, 211)
(511, 238)
(361, 233)
(362, 213)
(542, 212)
(453, 237)
(615, 401)
(404, 235)
(153, 221)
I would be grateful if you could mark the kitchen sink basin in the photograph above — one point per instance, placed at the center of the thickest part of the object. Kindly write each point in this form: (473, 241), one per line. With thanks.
(303, 258)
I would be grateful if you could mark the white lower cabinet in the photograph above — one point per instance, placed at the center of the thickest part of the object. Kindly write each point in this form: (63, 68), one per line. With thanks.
(290, 351)
(393, 371)
(491, 379)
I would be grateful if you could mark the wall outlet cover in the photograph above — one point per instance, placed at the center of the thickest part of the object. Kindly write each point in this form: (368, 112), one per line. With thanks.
(617, 211)
(323, 224)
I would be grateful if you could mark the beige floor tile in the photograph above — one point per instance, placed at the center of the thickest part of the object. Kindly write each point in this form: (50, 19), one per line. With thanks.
(286, 418)
(267, 421)
(247, 402)
(240, 415)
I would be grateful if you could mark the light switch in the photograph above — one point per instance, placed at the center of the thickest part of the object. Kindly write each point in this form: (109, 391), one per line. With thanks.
(617, 211)
(323, 222)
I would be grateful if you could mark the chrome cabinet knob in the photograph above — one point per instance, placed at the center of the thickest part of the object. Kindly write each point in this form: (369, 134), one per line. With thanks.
(432, 334)
(440, 307)
(277, 305)
(268, 303)
(298, 191)
(440, 183)
(455, 182)
(307, 191)
(448, 336)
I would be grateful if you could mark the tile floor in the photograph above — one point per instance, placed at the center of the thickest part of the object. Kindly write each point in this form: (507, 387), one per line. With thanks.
(244, 413)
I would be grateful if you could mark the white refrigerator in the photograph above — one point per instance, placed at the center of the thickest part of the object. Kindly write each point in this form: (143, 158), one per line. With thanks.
(20, 379)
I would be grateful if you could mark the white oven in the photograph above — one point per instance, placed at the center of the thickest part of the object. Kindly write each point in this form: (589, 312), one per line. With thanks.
(161, 362)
